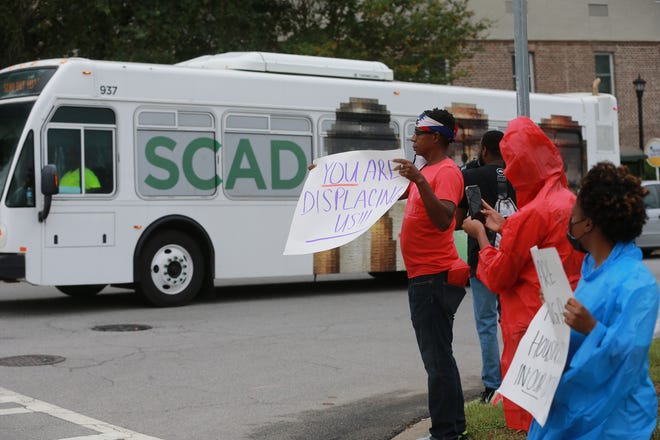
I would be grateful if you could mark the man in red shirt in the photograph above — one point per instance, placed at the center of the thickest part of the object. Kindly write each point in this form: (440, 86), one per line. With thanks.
(536, 170)
(432, 262)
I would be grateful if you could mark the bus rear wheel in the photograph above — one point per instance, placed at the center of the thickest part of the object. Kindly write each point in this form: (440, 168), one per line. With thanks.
(171, 269)
(82, 291)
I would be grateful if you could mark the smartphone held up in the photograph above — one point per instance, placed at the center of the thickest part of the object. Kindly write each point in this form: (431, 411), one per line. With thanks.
(473, 195)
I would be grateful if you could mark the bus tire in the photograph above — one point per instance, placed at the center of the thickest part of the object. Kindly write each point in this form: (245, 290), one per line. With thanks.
(171, 269)
(82, 291)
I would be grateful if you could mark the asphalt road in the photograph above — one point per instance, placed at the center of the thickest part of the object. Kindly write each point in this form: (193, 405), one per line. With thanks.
(325, 360)
(335, 359)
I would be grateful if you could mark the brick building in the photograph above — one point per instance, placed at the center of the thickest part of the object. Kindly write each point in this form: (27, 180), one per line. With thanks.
(570, 44)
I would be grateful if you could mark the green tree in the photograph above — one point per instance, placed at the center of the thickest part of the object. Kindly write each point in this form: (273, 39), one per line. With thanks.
(15, 17)
(421, 40)
(162, 31)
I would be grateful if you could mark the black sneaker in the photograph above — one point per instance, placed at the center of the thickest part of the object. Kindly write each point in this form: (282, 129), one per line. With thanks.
(464, 435)
(487, 395)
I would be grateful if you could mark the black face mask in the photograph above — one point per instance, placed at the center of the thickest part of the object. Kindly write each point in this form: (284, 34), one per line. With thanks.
(575, 241)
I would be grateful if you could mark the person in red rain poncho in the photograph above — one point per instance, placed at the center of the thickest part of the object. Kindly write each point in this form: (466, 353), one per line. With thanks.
(536, 170)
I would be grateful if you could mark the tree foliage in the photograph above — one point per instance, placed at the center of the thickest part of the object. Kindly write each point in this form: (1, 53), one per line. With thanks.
(159, 31)
(422, 40)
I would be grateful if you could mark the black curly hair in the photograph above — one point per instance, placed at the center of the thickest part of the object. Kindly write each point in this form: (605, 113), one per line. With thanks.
(443, 117)
(614, 201)
(491, 142)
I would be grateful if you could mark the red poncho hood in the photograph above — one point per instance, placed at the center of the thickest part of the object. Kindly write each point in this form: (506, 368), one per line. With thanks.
(532, 160)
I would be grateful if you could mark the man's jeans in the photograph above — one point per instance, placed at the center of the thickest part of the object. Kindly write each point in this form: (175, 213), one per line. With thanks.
(486, 313)
(433, 304)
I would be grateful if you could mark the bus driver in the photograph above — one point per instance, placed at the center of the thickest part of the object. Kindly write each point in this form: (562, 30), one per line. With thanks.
(70, 182)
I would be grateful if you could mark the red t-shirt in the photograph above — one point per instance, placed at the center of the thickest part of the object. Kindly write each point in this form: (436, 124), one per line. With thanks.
(427, 250)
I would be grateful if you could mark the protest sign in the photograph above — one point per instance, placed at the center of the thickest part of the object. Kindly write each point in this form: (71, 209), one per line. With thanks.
(342, 197)
(534, 374)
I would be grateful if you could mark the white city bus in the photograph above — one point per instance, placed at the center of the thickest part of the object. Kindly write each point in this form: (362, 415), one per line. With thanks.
(173, 176)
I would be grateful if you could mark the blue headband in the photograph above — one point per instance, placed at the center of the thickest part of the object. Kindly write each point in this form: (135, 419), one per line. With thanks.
(426, 123)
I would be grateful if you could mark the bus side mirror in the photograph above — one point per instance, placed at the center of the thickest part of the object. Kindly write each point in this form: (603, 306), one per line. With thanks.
(49, 186)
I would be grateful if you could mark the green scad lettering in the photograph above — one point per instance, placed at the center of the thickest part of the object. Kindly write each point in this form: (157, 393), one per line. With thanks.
(188, 169)
(244, 150)
(287, 147)
(161, 162)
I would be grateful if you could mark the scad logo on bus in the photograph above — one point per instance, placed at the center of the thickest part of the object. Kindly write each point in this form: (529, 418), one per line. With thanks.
(184, 164)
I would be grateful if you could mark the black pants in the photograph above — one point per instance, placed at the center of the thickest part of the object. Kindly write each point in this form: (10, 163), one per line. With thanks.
(433, 304)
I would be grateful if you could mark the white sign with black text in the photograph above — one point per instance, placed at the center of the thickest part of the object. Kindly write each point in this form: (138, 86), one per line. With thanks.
(342, 197)
(537, 366)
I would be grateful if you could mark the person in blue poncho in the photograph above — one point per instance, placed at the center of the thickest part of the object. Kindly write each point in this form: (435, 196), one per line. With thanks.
(605, 391)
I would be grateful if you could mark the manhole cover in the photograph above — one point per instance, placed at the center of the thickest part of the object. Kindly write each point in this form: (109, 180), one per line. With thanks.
(121, 328)
(30, 360)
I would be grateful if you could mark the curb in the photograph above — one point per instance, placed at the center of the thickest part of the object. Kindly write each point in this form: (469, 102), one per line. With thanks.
(418, 430)
(421, 428)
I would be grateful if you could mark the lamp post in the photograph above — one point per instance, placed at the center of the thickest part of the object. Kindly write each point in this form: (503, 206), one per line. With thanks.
(640, 84)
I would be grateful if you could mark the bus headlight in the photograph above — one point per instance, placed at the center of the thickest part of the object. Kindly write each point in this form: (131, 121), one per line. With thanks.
(3, 235)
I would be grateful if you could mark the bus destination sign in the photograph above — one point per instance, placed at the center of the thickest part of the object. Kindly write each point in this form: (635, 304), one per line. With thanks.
(24, 82)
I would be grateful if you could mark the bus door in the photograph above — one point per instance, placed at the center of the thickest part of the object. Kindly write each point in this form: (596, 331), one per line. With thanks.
(79, 233)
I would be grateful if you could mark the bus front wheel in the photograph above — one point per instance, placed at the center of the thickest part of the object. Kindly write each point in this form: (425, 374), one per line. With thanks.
(171, 269)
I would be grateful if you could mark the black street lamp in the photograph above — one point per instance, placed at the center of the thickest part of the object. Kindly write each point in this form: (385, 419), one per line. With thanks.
(640, 84)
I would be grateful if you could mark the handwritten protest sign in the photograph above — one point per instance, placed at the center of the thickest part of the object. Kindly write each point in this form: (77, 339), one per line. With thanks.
(342, 197)
(534, 374)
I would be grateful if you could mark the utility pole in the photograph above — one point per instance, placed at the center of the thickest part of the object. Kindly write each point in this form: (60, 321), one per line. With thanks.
(521, 55)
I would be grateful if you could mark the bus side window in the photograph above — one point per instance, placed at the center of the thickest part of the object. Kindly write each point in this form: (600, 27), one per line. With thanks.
(360, 124)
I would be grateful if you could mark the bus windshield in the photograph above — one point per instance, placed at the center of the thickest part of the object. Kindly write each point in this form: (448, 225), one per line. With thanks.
(12, 122)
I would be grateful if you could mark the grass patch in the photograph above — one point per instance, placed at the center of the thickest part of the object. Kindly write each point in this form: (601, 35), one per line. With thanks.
(654, 372)
(487, 421)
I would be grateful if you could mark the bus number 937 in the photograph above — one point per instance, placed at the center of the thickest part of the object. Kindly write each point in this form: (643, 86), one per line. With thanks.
(108, 90)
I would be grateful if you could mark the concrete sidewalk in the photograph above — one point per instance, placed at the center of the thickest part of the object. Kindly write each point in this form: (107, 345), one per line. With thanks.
(418, 430)
(421, 428)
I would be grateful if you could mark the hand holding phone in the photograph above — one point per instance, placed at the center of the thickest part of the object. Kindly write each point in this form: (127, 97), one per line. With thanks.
(473, 195)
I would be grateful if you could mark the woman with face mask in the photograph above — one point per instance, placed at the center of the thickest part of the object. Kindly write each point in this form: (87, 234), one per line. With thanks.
(605, 391)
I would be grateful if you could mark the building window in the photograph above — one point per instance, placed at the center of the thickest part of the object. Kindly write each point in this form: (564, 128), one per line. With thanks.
(530, 80)
(604, 71)
(598, 10)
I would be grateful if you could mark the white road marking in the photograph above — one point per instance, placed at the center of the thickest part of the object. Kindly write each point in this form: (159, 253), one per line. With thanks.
(106, 431)
(98, 437)
(8, 411)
